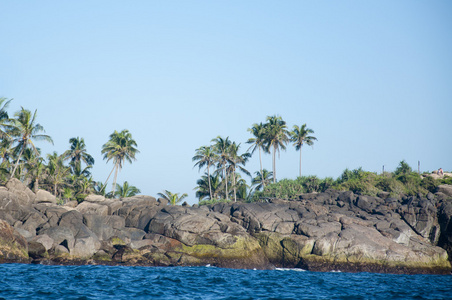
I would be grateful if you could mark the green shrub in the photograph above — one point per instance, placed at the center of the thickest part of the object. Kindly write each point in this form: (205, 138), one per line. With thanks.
(213, 201)
(284, 189)
(429, 183)
(389, 184)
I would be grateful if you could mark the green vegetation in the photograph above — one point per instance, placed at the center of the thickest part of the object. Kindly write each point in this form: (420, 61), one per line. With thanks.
(403, 181)
(300, 136)
(126, 190)
(173, 198)
(121, 147)
(67, 175)
(223, 155)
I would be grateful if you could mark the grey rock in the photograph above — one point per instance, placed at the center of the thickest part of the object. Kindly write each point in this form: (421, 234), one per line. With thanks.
(60, 236)
(24, 195)
(92, 208)
(45, 197)
(445, 189)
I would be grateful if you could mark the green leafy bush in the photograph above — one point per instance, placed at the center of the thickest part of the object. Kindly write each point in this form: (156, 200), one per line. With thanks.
(213, 201)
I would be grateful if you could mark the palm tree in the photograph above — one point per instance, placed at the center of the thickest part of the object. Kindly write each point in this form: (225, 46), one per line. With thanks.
(261, 179)
(275, 137)
(25, 129)
(213, 183)
(172, 198)
(57, 171)
(126, 190)
(258, 141)
(243, 189)
(4, 118)
(35, 168)
(81, 180)
(6, 150)
(67, 195)
(236, 161)
(205, 156)
(77, 153)
(221, 148)
(99, 188)
(121, 147)
(300, 136)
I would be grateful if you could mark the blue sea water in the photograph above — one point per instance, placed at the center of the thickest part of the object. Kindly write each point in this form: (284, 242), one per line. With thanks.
(21, 281)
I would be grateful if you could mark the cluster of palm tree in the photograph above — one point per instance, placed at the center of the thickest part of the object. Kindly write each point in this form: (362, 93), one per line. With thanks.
(225, 181)
(67, 175)
(269, 137)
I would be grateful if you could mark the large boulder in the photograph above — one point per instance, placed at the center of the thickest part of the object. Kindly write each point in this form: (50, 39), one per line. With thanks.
(9, 203)
(46, 241)
(92, 208)
(85, 247)
(13, 246)
(45, 197)
(273, 217)
(94, 198)
(445, 222)
(445, 189)
(60, 236)
(104, 226)
(37, 250)
(24, 195)
(32, 220)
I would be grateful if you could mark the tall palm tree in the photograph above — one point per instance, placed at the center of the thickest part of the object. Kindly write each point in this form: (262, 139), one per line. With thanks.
(121, 147)
(205, 156)
(300, 136)
(258, 141)
(172, 198)
(276, 137)
(221, 147)
(237, 161)
(4, 118)
(261, 179)
(77, 153)
(126, 190)
(24, 129)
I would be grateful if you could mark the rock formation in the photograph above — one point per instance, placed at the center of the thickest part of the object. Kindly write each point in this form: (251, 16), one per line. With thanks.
(320, 231)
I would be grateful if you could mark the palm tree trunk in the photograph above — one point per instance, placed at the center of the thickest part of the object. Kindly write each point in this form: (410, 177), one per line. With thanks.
(300, 162)
(262, 174)
(17, 162)
(226, 178)
(114, 180)
(105, 184)
(274, 164)
(235, 188)
(210, 185)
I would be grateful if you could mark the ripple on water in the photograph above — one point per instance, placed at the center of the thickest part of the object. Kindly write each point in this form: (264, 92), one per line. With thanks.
(103, 282)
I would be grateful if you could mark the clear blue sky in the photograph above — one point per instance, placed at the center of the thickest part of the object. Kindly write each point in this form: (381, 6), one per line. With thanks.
(372, 78)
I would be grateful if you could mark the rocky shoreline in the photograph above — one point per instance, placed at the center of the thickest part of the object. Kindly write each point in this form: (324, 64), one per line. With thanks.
(327, 231)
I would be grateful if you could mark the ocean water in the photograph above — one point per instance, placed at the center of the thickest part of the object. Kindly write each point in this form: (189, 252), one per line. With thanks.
(21, 281)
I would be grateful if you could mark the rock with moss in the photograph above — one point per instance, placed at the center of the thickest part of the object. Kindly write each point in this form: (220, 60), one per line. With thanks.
(13, 246)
